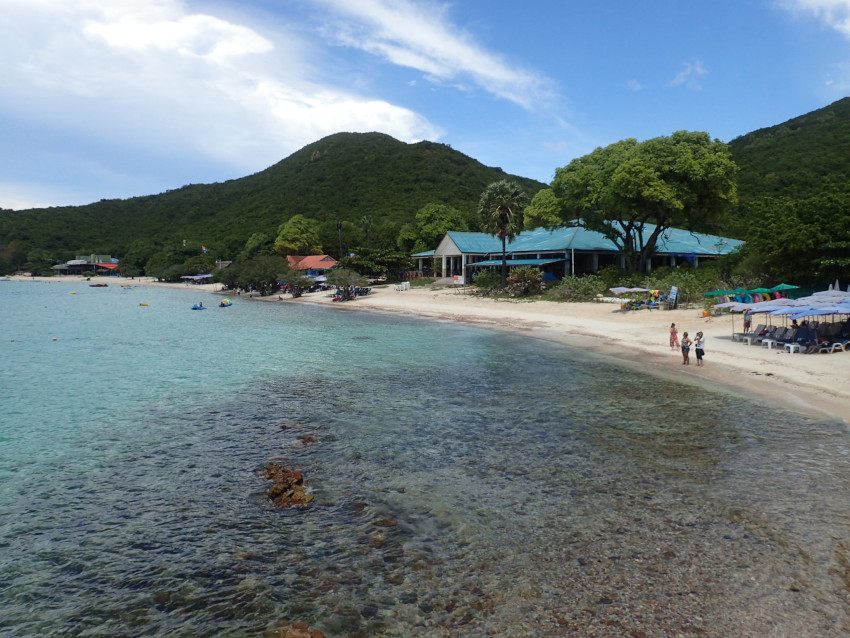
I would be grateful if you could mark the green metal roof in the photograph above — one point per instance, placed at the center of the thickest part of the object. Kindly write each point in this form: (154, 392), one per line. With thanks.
(672, 241)
(476, 242)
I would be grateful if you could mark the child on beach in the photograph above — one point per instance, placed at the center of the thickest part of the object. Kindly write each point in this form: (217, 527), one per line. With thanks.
(686, 349)
(674, 337)
(699, 347)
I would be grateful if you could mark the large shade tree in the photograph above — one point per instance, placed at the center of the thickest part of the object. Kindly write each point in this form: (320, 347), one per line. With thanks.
(633, 192)
(543, 210)
(430, 225)
(501, 207)
(299, 235)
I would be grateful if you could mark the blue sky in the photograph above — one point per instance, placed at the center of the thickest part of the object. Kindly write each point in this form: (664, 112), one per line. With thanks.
(103, 99)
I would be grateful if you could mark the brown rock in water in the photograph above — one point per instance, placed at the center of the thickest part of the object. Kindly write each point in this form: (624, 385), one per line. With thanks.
(300, 630)
(287, 486)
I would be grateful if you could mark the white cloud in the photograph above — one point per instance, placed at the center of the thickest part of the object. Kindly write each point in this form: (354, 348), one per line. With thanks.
(834, 13)
(688, 76)
(419, 36)
(634, 85)
(149, 76)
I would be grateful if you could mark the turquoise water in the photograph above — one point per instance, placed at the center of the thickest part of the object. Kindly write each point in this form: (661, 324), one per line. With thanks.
(466, 482)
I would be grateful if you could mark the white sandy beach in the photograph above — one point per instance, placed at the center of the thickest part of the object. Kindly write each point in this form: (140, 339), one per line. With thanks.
(816, 382)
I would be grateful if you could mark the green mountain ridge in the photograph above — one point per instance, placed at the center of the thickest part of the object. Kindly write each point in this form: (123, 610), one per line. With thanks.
(805, 156)
(793, 179)
(342, 177)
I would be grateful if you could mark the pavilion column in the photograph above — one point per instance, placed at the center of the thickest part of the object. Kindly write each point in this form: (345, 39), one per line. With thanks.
(463, 266)
(444, 266)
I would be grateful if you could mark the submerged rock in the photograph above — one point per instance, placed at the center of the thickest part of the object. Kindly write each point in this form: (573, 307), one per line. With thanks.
(287, 486)
(300, 630)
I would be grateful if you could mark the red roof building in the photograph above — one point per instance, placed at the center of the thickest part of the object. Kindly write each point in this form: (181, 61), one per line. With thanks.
(318, 263)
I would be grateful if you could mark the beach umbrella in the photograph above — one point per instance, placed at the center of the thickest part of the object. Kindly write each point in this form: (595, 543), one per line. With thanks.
(834, 293)
(788, 310)
(780, 287)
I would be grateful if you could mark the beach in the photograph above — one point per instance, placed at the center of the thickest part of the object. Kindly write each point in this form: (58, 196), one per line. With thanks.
(818, 383)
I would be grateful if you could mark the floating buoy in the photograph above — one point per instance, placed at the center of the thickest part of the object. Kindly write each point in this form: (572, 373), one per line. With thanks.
(143, 304)
(73, 293)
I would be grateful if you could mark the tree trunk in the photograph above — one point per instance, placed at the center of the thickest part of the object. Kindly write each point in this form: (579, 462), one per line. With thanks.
(504, 265)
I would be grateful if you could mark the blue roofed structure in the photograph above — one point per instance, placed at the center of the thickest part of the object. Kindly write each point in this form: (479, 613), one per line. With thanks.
(568, 250)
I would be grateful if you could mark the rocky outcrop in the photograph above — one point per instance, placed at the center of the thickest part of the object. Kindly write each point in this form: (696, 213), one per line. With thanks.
(300, 630)
(287, 487)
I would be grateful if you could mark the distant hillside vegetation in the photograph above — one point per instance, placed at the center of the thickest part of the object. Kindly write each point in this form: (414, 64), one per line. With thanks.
(342, 177)
(803, 157)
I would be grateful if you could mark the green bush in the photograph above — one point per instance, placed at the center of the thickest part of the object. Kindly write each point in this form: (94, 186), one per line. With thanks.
(524, 281)
(486, 282)
(583, 288)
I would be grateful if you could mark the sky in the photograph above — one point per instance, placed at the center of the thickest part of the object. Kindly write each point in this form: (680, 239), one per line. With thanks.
(106, 99)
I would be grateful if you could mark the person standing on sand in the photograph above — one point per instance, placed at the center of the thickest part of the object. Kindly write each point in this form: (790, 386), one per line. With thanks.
(699, 348)
(686, 350)
(674, 337)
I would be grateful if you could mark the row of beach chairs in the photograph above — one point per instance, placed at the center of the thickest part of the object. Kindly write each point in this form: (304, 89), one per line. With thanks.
(820, 337)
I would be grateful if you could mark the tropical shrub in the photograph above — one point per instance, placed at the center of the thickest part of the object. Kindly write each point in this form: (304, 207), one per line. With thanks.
(584, 288)
(524, 281)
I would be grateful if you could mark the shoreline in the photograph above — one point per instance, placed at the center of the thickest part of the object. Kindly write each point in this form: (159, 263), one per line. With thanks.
(817, 383)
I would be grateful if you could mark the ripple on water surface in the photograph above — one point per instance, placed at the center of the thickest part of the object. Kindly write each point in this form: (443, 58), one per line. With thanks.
(465, 482)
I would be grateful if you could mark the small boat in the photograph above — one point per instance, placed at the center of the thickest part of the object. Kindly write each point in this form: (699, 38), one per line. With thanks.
(98, 285)
(198, 307)
(225, 303)
(144, 303)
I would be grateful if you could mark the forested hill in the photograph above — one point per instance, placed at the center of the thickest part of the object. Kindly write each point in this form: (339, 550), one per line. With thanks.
(801, 158)
(343, 177)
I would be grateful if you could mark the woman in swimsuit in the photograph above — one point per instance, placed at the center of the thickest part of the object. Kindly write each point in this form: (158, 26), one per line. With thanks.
(686, 349)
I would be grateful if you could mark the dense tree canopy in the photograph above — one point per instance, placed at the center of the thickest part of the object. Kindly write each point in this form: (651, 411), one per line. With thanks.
(685, 180)
(430, 225)
(802, 241)
(544, 210)
(378, 261)
(298, 236)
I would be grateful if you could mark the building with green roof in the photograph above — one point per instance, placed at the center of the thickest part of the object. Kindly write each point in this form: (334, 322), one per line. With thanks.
(568, 250)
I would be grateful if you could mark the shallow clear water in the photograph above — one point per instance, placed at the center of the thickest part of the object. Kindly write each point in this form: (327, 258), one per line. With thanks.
(466, 482)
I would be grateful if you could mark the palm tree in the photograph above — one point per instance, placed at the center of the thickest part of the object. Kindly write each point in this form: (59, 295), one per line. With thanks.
(501, 207)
